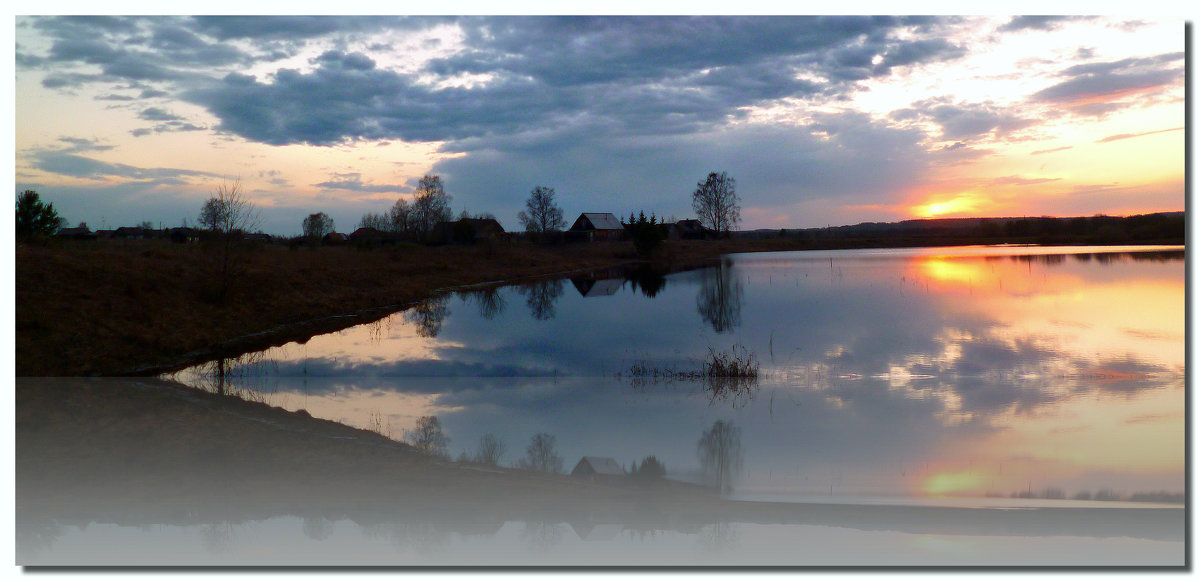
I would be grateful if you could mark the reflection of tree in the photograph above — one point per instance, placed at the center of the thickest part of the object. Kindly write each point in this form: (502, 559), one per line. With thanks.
(720, 297)
(719, 537)
(428, 316)
(317, 528)
(736, 391)
(648, 280)
(543, 535)
(720, 453)
(217, 537)
(490, 303)
(540, 297)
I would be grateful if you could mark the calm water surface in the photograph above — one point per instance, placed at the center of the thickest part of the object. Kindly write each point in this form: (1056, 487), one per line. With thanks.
(894, 386)
(906, 375)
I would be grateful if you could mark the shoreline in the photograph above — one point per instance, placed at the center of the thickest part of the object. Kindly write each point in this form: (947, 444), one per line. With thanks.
(139, 308)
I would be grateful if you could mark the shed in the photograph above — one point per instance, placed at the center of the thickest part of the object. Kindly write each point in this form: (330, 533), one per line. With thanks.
(467, 231)
(592, 467)
(599, 226)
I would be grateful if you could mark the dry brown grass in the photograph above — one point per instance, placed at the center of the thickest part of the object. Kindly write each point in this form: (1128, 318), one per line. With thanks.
(116, 308)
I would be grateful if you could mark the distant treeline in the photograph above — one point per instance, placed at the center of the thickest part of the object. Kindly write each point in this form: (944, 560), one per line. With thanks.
(1104, 494)
(1143, 228)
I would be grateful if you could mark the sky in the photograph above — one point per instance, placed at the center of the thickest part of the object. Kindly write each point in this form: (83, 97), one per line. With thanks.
(821, 120)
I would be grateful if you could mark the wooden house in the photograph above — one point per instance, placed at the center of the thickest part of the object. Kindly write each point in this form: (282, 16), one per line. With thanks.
(598, 226)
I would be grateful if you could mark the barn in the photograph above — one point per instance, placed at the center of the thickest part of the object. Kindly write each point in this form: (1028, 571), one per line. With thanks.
(599, 226)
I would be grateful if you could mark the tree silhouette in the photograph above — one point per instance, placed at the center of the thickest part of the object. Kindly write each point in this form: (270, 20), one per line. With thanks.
(716, 203)
(35, 218)
(541, 213)
(316, 226)
(430, 206)
(227, 215)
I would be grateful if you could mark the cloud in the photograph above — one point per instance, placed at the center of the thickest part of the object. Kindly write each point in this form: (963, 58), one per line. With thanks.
(353, 182)
(1020, 181)
(1121, 136)
(1044, 23)
(1095, 89)
(964, 121)
(66, 163)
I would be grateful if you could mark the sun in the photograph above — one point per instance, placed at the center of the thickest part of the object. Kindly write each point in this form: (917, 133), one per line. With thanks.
(959, 204)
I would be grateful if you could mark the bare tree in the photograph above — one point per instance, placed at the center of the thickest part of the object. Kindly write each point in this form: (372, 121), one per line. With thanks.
(400, 217)
(542, 214)
(228, 212)
(716, 203)
(428, 437)
(316, 226)
(227, 215)
(490, 450)
(431, 205)
(373, 220)
(720, 453)
(540, 455)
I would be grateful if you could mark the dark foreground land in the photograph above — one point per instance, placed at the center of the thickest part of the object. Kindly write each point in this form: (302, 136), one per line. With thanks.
(144, 452)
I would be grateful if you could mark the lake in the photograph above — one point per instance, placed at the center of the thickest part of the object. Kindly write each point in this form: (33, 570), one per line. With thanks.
(984, 380)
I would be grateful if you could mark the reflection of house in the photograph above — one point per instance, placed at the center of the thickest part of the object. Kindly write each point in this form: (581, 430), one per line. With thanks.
(599, 226)
(590, 287)
(590, 531)
(593, 467)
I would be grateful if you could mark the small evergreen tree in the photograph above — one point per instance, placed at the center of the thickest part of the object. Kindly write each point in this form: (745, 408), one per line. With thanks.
(35, 218)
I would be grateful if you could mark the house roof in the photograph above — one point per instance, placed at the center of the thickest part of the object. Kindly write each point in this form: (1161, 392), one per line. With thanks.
(605, 466)
(603, 221)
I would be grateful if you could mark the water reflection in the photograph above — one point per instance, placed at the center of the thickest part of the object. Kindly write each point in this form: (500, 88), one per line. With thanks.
(540, 298)
(719, 300)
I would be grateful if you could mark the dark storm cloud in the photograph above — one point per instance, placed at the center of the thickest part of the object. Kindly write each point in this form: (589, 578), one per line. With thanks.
(620, 74)
(1098, 88)
(298, 27)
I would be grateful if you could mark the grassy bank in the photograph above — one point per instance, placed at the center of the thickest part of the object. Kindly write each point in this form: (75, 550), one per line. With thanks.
(141, 307)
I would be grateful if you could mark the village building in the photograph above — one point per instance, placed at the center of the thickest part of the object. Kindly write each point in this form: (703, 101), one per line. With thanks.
(595, 467)
(82, 232)
(184, 235)
(468, 231)
(598, 226)
(689, 230)
(334, 239)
